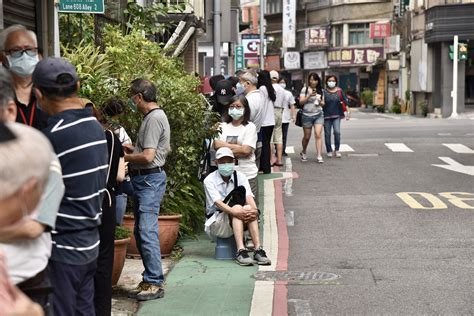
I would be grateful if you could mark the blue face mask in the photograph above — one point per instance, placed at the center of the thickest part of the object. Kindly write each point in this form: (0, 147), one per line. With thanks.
(236, 113)
(240, 89)
(226, 169)
(132, 105)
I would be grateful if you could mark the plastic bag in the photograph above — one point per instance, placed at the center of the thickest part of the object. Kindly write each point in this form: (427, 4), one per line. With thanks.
(221, 227)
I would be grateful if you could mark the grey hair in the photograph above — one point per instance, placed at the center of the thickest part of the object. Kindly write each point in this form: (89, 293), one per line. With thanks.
(7, 92)
(250, 77)
(12, 29)
(27, 156)
(146, 88)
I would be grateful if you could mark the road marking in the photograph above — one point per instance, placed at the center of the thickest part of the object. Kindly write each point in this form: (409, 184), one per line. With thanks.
(290, 150)
(343, 148)
(407, 197)
(459, 148)
(455, 166)
(459, 201)
(290, 218)
(398, 147)
(444, 134)
(262, 300)
(363, 155)
(302, 307)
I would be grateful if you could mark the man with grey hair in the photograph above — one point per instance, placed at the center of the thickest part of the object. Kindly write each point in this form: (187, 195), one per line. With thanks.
(19, 55)
(147, 160)
(27, 245)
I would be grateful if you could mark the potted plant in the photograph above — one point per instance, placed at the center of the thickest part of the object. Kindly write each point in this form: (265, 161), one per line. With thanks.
(122, 238)
(367, 97)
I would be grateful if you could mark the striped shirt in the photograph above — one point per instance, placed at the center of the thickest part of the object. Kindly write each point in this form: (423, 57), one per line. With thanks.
(79, 142)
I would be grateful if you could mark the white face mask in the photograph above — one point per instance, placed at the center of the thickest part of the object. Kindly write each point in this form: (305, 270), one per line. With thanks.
(24, 65)
(283, 85)
(331, 84)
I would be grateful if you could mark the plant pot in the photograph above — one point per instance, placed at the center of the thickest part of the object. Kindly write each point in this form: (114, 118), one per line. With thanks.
(120, 251)
(132, 250)
(168, 234)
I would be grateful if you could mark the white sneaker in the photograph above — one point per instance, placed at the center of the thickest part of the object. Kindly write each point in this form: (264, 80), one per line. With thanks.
(329, 154)
(319, 159)
(303, 157)
(338, 154)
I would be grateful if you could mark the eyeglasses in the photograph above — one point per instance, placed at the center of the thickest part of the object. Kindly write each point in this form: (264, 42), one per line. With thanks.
(32, 52)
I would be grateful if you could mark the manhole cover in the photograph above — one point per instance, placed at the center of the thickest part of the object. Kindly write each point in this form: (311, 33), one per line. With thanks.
(296, 276)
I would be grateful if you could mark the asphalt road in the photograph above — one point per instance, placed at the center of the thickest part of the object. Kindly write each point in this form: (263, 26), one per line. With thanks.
(377, 252)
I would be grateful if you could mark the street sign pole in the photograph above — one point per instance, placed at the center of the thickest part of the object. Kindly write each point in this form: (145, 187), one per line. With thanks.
(56, 50)
(454, 92)
(262, 33)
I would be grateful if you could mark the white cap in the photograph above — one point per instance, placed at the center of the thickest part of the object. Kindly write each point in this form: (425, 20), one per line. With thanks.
(274, 74)
(224, 152)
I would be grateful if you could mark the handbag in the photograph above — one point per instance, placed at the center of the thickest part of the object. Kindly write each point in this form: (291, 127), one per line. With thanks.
(299, 118)
(343, 103)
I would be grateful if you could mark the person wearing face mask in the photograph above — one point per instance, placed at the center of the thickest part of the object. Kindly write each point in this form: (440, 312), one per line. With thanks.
(217, 186)
(240, 135)
(22, 180)
(289, 112)
(333, 112)
(19, 55)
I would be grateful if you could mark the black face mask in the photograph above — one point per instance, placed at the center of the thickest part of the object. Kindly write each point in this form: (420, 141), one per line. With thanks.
(6, 134)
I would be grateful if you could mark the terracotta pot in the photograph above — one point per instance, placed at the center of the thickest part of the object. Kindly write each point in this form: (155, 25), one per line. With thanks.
(119, 259)
(132, 250)
(168, 234)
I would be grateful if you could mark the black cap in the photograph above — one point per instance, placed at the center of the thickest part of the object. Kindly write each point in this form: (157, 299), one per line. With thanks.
(49, 70)
(224, 91)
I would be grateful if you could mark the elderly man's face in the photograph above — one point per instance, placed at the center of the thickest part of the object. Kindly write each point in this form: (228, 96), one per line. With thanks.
(19, 40)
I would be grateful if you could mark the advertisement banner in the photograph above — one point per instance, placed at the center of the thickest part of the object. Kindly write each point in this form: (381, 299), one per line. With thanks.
(379, 30)
(292, 60)
(289, 23)
(354, 56)
(315, 60)
(316, 36)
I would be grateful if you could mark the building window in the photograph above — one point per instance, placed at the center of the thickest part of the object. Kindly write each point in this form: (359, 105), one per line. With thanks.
(337, 40)
(274, 6)
(359, 34)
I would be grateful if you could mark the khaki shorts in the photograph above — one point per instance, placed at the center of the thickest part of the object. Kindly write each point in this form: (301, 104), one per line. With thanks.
(277, 137)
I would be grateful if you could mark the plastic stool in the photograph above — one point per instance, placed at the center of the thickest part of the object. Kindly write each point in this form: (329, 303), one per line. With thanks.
(225, 248)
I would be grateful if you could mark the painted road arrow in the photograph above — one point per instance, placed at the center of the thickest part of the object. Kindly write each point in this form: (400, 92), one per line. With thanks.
(453, 165)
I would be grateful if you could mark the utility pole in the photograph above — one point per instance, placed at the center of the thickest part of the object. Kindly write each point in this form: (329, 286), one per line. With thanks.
(217, 37)
(262, 33)
(454, 92)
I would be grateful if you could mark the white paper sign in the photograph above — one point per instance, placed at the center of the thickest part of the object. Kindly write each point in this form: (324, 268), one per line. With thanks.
(289, 23)
(292, 60)
(315, 60)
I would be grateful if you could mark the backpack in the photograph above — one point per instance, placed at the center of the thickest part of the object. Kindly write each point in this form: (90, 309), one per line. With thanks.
(205, 160)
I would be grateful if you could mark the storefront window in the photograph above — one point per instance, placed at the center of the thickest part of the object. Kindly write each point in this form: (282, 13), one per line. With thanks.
(359, 34)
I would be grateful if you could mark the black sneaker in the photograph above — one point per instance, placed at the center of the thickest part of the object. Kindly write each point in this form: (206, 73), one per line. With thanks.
(261, 258)
(243, 258)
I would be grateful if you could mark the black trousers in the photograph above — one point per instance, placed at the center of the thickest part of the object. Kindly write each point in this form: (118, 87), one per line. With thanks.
(105, 261)
(265, 165)
(284, 128)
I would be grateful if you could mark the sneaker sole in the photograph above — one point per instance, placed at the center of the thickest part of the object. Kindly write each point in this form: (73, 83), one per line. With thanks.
(244, 264)
(158, 295)
(268, 263)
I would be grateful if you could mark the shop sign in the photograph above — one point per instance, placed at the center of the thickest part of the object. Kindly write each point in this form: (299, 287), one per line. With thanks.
(392, 44)
(379, 30)
(81, 6)
(239, 57)
(289, 23)
(292, 60)
(272, 62)
(354, 56)
(251, 45)
(316, 36)
(379, 98)
(315, 60)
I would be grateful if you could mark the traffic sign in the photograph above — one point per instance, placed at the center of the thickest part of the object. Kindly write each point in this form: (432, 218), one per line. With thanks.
(239, 57)
(81, 6)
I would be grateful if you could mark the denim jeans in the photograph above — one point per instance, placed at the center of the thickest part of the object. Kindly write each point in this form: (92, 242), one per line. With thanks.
(148, 193)
(333, 123)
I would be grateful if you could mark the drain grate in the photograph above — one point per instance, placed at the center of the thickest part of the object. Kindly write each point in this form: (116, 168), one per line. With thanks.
(298, 277)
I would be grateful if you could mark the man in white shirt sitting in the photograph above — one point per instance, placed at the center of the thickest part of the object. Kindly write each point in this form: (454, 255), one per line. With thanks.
(217, 186)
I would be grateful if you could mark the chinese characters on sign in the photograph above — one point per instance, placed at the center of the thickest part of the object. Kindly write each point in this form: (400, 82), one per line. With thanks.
(315, 60)
(354, 56)
(289, 23)
(316, 36)
(380, 30)
(292, 60)
(239, 57)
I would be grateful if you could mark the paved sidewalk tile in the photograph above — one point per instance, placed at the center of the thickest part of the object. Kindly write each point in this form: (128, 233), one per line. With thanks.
(201, 285)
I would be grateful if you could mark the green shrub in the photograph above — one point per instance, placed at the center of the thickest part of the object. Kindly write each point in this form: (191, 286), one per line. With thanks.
(396, 107)
(122, 232)
(367, 96)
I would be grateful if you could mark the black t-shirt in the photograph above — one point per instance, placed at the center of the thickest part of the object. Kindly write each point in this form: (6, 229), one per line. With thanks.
(116, 153)
(31, 115)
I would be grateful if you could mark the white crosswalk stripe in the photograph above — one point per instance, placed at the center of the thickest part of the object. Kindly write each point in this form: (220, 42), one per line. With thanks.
(343, 148)
(459, 148)
(398, 147)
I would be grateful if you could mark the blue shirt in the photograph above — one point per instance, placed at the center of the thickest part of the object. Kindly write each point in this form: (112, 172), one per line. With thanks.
(332, 105)
(80, 144)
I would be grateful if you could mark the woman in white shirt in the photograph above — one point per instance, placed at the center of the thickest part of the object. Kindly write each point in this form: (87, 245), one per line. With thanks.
(240, 135)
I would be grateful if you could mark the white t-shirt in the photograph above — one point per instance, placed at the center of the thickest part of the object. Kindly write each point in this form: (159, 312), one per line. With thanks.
(288, 101)
(311, 107)
(268, 112)
(255, 99)
(242, 135)
(280, 95)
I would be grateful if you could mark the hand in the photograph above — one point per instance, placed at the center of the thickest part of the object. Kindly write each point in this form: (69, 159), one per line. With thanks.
(128, 148)
(24, 306)
(250, 214)
(126, 167)
(293, 119)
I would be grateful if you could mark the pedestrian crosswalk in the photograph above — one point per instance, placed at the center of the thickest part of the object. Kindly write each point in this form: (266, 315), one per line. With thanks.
(400, 148)
(459, 148)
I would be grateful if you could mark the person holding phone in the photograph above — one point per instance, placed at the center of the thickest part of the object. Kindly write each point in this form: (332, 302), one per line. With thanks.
(313, 116)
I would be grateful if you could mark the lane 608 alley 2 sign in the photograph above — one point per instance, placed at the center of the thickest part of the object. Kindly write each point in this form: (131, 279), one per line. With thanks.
(81, 6)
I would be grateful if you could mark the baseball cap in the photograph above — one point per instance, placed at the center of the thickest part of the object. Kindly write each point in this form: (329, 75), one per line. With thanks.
(224, 152)
(274, 74)
(49, 73)
(224, 91)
